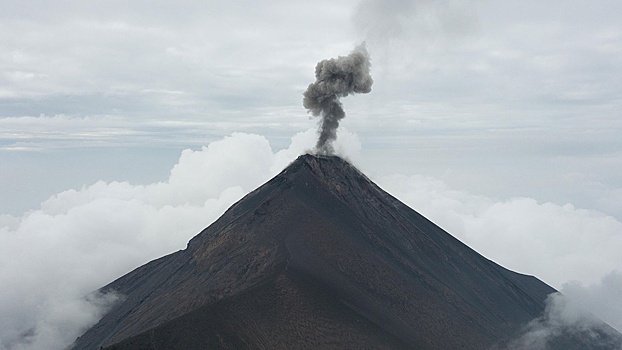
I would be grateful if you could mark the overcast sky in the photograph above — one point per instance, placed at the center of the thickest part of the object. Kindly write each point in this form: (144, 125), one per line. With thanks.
(127, 127)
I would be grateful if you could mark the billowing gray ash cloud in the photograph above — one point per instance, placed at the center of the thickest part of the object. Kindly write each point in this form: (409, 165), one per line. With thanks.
(336, 78)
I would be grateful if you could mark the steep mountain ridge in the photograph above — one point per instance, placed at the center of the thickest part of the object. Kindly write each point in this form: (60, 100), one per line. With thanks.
(319, 257)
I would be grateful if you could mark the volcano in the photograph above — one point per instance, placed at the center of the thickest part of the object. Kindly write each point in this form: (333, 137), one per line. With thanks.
(319, 257)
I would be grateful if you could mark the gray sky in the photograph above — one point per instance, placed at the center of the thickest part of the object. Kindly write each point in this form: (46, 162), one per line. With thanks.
(511, 99)
(498, 120)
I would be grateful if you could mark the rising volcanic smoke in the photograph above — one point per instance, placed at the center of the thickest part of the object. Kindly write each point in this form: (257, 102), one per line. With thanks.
(336, 78)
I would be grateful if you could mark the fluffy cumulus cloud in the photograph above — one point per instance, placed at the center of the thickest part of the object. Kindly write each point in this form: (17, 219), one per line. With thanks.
(54, 257)
(574, 250)
(602, 298)
(562, 317)
(558, 243)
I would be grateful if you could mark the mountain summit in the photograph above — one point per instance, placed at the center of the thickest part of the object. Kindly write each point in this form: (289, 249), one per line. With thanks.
(319, 257)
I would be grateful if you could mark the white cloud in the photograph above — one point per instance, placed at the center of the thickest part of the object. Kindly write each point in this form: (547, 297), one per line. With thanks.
(574, 250)
(510, 87)
(81, 239)
(557, 243)
(61, 317)
(602, 298)
(564, 317)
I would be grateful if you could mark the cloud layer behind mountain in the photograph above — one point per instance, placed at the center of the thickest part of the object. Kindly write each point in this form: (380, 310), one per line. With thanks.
(81, 239)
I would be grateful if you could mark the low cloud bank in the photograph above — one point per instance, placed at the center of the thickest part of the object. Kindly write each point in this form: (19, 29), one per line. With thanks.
(81, 239)
(603, 298)
(574, 250)
(557, 243)
(564, 318)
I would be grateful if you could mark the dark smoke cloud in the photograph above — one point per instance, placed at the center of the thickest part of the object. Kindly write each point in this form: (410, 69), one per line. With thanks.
(336, 78)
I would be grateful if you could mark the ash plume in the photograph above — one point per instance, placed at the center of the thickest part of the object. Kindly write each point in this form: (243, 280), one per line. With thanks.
(336, 78)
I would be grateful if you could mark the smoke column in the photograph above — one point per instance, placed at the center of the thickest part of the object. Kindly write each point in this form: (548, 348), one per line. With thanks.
(336, 78)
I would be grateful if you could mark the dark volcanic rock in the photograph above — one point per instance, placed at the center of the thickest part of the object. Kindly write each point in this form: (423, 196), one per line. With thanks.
(319, 257)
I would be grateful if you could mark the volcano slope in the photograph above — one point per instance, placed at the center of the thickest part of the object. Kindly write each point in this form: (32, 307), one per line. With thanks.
(319, 257)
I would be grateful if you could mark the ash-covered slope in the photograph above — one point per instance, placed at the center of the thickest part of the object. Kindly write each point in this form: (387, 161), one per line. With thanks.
(319, 257)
